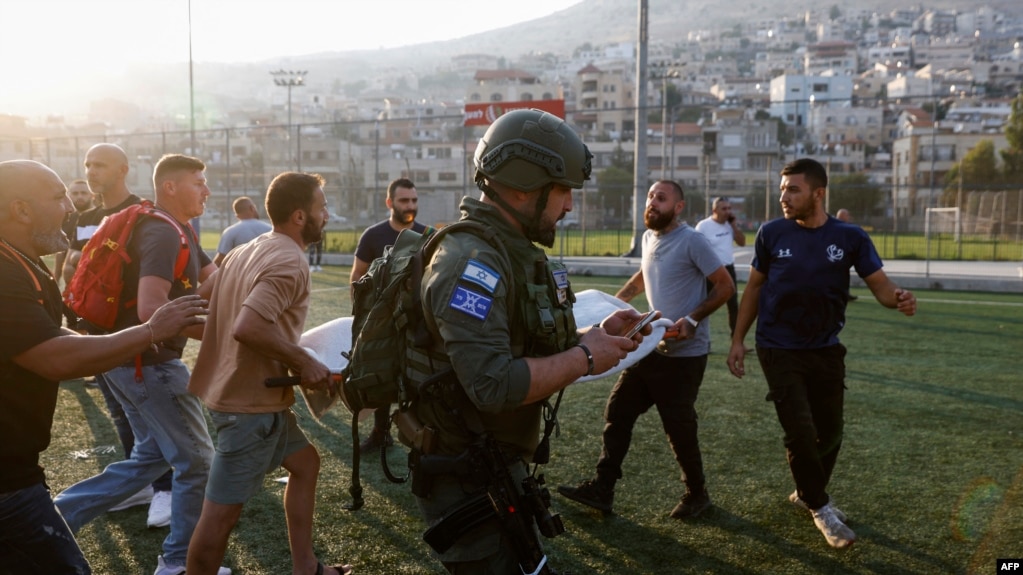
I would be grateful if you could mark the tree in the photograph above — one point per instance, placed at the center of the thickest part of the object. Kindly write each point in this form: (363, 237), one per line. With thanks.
(1012, 157)
(854, 192)
(614, 183)
(978, 170)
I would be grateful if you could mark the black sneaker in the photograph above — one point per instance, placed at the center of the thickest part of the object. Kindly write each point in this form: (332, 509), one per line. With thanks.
(592, 493)
(692, 505)
(375, 440)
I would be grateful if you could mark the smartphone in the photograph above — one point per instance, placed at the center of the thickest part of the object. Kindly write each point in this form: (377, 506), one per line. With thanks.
(640, 323)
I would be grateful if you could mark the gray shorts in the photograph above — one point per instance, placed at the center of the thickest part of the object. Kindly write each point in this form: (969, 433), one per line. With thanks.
(249, 445)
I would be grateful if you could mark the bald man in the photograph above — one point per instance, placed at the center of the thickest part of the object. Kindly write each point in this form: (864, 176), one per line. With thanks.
(106, 172)
(34, 539)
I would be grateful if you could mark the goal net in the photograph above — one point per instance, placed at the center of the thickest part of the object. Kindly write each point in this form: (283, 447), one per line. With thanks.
(943, 229)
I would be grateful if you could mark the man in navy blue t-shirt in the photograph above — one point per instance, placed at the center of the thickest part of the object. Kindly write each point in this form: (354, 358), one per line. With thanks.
(797, 291)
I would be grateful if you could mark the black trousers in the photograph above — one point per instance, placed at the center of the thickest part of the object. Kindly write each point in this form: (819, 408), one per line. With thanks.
(807, 387)
(671, 384)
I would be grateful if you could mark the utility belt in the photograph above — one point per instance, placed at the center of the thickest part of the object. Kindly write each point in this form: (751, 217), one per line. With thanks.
(517, 505)
(485, 470)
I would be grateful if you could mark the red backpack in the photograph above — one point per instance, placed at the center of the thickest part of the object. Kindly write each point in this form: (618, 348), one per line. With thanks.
(94, 292)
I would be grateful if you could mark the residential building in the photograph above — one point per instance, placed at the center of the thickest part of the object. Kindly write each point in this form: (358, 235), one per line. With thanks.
(604, 102)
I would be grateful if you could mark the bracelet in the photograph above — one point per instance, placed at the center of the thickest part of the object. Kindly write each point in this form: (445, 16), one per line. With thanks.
(152, 338)
(589, 358)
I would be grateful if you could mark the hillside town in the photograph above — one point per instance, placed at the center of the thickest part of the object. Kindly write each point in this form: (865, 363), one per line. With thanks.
(894, 99)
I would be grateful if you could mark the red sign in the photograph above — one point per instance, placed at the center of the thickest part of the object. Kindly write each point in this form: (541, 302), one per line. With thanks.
(485, 114)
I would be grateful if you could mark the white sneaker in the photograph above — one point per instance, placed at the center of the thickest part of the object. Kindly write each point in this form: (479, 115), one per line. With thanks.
(835, 531)
(160, 509)
(795, 500)
(141, 498)
(165, 569)
(319, 268)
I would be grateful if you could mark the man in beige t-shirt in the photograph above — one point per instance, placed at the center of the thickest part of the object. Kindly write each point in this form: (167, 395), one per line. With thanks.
(257, 315)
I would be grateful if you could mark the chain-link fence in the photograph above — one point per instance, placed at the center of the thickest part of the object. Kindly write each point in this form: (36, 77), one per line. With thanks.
(359, 158)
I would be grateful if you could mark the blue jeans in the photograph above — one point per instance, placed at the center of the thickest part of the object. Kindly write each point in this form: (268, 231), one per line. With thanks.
(124, 431)
(170, 432)
(672, 384)
(34, 539)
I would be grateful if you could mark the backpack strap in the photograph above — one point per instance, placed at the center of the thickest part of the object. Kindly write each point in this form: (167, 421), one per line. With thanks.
(185, 252)
(180, 263)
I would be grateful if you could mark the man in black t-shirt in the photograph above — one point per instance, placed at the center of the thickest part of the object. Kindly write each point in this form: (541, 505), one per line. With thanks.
(34, 538)
(81, 198)
(403, 201)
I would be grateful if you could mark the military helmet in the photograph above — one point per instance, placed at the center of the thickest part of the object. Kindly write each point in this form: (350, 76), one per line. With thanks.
(529, 149)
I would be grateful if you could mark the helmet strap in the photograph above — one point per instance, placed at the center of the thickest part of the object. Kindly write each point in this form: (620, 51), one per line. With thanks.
(526, 223)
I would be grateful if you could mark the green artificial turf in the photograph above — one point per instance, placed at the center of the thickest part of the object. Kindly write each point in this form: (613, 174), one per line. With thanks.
(930, 474)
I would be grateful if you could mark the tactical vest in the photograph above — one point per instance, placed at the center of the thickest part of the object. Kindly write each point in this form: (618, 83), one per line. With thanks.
(542, 324)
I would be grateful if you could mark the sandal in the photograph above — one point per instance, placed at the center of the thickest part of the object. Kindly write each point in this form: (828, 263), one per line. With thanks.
(342, 569)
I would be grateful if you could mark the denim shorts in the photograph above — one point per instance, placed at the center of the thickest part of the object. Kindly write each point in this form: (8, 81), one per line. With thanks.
(249, 445)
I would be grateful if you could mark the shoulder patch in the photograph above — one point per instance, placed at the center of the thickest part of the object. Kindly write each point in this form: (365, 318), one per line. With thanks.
(471, 303)
(482, 275)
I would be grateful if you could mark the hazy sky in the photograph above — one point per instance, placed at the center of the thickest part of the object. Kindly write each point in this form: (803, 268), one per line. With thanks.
(47, 44)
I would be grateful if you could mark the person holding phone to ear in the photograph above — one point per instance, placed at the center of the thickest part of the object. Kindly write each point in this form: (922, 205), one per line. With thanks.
(678, 264)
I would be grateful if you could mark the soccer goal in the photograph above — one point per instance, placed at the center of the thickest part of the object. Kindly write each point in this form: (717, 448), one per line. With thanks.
(943, 226)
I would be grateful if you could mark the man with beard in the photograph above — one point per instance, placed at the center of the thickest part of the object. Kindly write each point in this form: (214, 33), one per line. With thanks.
(797, 291)
(403, 201)
(81, 199)
(168, 422)
(503, 340)
(678, 264)
(257, 314)
(34, 539)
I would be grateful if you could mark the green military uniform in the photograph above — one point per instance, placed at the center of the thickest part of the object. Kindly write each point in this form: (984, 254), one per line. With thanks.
(485, 315)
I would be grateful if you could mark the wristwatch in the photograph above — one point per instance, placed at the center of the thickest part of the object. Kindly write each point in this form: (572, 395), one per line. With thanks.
(691, 321)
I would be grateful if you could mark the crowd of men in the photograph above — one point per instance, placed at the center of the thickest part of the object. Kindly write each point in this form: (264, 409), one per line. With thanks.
(501, 341)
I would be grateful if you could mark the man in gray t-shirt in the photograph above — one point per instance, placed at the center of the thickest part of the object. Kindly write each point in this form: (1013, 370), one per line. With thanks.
(247, 228)
(678, 264)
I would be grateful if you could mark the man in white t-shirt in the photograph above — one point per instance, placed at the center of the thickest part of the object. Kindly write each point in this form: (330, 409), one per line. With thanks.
(722, 229)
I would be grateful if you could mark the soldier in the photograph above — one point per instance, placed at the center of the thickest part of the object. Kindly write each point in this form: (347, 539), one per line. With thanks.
(504, 340)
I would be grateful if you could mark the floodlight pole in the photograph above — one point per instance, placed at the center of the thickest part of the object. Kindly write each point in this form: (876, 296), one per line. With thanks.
(289, 79)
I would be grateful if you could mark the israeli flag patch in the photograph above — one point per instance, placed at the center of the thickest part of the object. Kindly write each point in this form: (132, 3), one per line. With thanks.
(471, 303)
(560, 279)
(481, 275)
